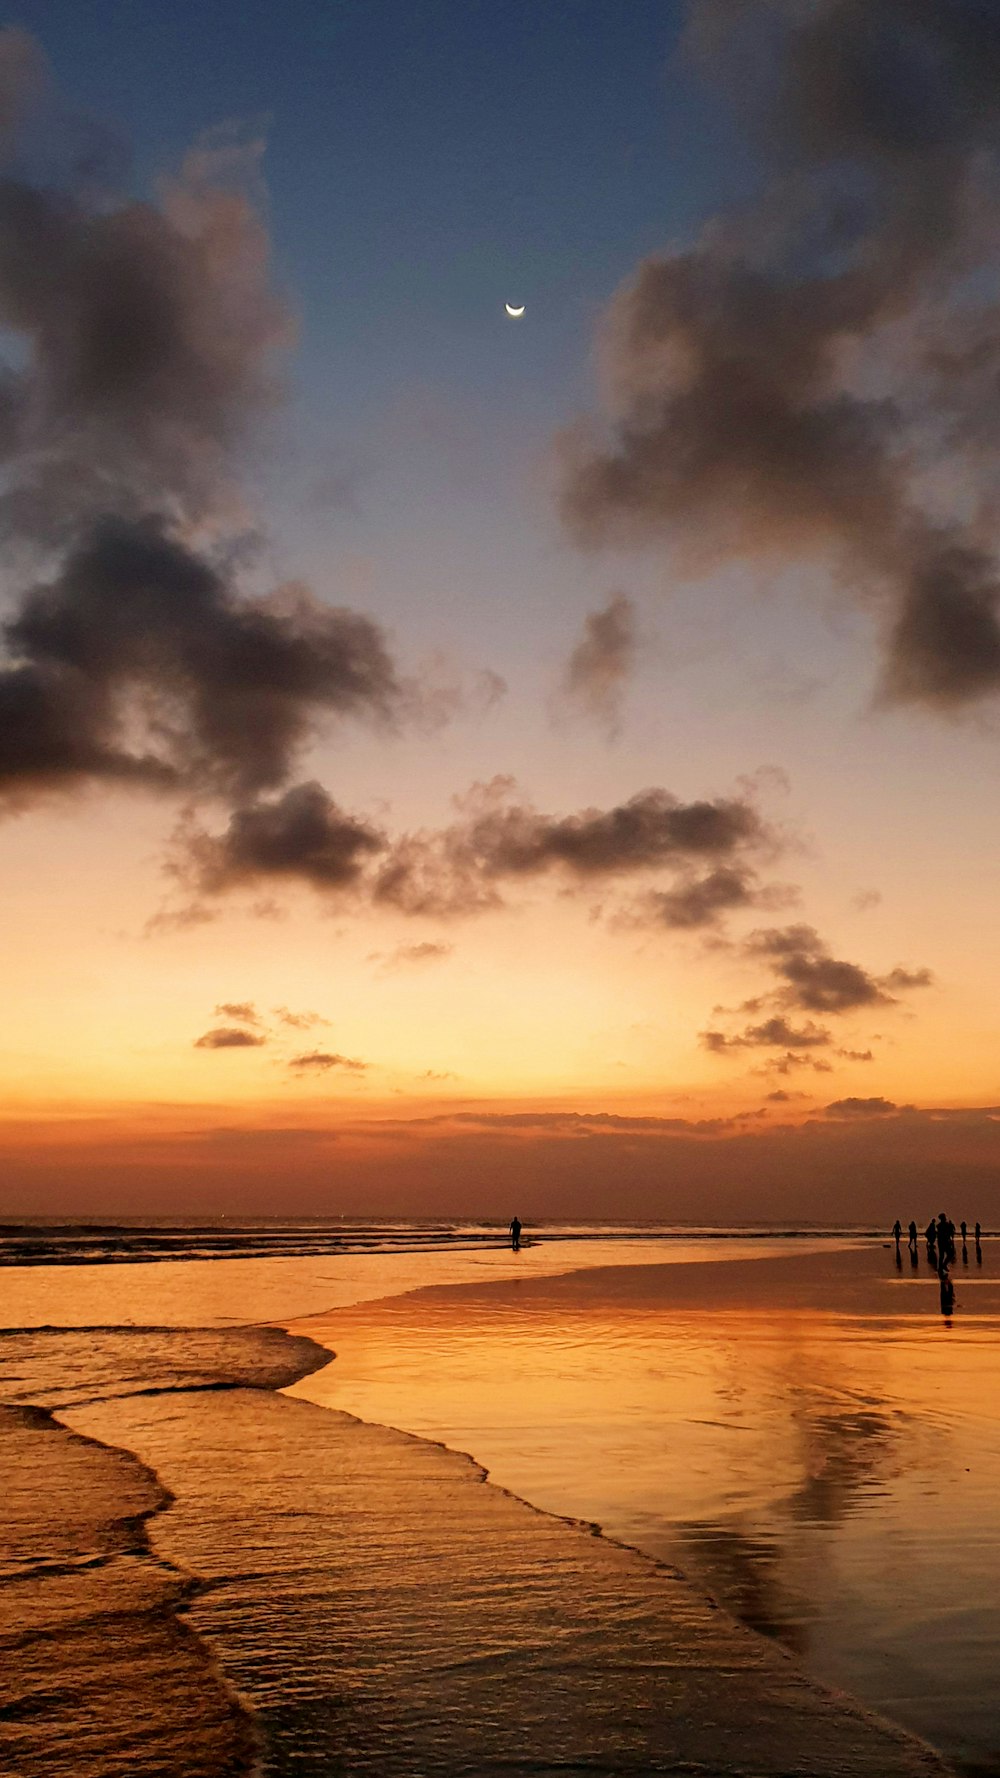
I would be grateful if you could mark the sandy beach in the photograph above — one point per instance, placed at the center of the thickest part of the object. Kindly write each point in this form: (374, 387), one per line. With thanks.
(293, 1585)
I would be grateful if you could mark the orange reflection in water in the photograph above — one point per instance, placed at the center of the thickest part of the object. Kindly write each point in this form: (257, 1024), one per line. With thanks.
(806, 1436)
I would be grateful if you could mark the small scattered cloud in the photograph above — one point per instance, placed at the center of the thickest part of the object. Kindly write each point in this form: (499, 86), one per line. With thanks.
(318, 1061)
(775, 1032)
(180, 919)
(849, 1108)
(428, 951)
(243, 1010)
(229, 1037)
(298, 1021)
(599, 667)
(791, 1062)
(866, 899)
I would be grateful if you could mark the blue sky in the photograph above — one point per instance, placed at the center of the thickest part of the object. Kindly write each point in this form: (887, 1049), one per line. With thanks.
(425, 161)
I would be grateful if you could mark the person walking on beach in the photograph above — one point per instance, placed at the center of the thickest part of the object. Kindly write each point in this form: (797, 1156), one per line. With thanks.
(912, 1241)
(515, 1234)
(897, 1231)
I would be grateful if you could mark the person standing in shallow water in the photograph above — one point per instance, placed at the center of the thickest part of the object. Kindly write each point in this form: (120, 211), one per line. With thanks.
(515, 1234)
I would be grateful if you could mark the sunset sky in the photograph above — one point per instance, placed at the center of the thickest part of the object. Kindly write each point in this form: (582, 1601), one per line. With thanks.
(446, 756)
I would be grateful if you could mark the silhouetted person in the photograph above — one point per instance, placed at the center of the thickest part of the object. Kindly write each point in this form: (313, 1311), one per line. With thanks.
(912, 1235)
(965, 1231)
(945, 1238)
(515, 1234)
(897, 1231)
(979, 1233)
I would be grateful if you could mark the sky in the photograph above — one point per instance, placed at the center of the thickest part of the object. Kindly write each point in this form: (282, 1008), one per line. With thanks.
(449, 762)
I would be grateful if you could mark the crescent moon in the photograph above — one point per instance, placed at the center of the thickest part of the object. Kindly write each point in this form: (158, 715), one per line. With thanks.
(514, 312)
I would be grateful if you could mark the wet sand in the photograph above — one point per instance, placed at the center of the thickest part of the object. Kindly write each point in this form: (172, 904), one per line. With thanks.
(806, 1437)
(363, 1602)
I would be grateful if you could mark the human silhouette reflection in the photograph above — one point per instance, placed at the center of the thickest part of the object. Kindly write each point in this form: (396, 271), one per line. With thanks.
(965, 1253)
(914, 1257)
(979, 1250)
(899, 1258)
(947, 1291)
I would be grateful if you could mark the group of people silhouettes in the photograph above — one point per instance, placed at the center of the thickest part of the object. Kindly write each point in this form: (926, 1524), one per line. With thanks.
(941, 1250)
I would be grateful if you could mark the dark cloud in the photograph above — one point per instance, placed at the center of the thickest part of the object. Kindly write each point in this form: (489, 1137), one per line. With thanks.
(815, 981)
(601, 663)
(229, 1037)
(792, 382)
(810, 980)
(150, 334)
(497, 839)
(701, 901)
(145, 347)
(861, 1108)
(139, 661)
(300, 836)
(320, 1060)
(781, 1097)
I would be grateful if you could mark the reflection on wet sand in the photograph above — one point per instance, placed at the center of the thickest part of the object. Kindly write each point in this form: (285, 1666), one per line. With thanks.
(808, 1437)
